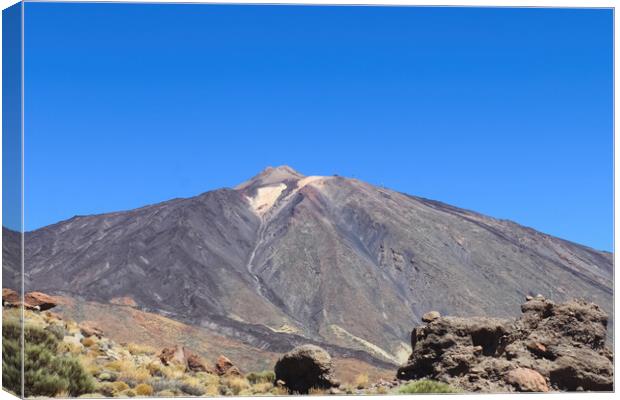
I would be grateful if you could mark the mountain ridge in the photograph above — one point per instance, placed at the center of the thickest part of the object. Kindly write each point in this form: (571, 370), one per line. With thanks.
(330, 259)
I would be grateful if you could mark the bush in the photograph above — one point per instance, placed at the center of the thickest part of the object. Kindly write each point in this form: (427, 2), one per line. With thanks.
(426, 386)
(261, 377)
(45, 372)
(236, 384)
(361, 381)
(144, 390)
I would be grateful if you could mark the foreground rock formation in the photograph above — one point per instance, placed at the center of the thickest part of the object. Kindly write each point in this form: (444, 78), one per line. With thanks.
(550, 347)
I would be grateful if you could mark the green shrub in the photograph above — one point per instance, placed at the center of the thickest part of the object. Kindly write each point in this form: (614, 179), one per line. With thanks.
(261, 377)
(45, 372)
(426, 386)
(11, 360)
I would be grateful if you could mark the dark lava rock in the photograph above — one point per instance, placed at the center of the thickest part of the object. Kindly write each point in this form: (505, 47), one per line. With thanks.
(550, 347)
(305, 367)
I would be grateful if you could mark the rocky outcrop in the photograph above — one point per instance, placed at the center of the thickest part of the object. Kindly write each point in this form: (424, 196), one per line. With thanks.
(9, 297)
(223, 366)
(305, 367)
(184, 357)
(35, 301)
(88, 328)
(550, 347)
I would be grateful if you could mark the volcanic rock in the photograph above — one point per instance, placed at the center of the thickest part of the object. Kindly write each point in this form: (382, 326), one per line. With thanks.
(223, 366)
(305, 367)
(88, 328)
(551, 346)
(526, 380)
(39, 301)
(10, 298)
(184, 357)
(430, 316)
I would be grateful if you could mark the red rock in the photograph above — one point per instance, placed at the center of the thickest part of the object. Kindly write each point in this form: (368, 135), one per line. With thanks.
(195, 364)
(183, 356)
(526, 380)
(172, 355)
(39, 301)
(223, 366)
(88, 328)
(10, 298)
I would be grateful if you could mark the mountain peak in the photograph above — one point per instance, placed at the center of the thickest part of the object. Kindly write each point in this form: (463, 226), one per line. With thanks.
(271, 176)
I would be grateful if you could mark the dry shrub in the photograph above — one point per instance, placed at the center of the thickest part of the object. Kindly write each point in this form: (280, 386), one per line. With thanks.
(119, 386)
(144, 390)
(279, 391)
(208, 379)
(140, 349)
(212, 390)
(262, 387)
(71, 348)
(317, 391)
(382, 390)
(166, 393)
(173, 371)
(361, 381)
(155, 368)
(89, 341)
(119, 365)
(134, 374)
(128, 393)
(237, 384)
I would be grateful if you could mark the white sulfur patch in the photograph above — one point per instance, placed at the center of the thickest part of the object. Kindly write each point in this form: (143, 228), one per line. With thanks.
(309, 180)
(266, 197)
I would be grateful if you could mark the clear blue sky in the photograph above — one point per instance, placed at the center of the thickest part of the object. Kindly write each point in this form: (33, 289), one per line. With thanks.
(504, 111)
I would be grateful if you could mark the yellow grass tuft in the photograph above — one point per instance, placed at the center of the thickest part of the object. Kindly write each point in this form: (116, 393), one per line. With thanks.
(89, 341)
(317, 392)
(143, 390)
(361, 381)
(140, 374)
(140, 349)
(262, 387)
(237, 384)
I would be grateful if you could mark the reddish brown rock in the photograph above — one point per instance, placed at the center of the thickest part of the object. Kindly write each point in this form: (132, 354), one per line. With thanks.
(88, 328)
(526, 380)
(195, 363)
(39, 301)
(173, 355)
(9, 297)
(179, 355)
(223, 366)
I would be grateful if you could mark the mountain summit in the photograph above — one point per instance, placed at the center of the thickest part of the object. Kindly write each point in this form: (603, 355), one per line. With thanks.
(284, 259)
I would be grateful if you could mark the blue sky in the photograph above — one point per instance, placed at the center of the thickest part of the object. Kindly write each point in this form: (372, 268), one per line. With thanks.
(504, 111)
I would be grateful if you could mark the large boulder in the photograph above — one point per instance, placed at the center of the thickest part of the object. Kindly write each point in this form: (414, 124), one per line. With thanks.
(305, 367)
(550, 347)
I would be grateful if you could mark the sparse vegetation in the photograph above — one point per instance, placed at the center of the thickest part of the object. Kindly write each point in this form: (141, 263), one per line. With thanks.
(46, 373)
(261, 377)
(426, 386)
(144, 389)
(361, 381)
(60, 362)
